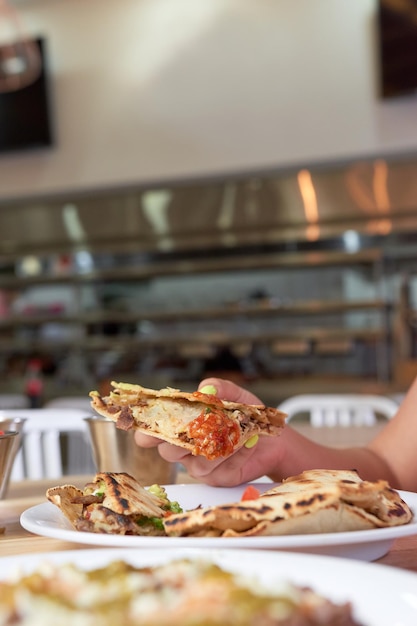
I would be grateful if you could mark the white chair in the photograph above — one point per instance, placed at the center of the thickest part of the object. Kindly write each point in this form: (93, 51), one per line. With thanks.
(45, 443)
(79, 457)
(340, 409)
(13, 401)
(71, 402)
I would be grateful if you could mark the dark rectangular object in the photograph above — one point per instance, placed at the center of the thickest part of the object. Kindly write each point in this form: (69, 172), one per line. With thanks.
(25, 115)
(397, 32)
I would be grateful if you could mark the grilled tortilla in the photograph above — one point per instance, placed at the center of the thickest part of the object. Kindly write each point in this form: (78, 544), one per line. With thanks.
(113, 503)
(199, 422)
(316, 501)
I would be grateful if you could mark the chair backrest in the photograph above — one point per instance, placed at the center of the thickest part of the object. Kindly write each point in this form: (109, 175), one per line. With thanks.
(13, 401)
(71, 402)
(41, 453)
(340, 409)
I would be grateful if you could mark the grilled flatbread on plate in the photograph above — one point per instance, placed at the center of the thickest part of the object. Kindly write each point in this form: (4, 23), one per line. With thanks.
(316, 501)
(199, 422)
(113, 503)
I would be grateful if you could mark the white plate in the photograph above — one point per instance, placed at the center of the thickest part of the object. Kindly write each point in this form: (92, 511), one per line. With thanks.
(380, 595)
(47, 520)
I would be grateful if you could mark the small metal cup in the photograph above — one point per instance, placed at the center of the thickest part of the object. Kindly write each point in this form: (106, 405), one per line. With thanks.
(9, 447)
(7, 454)
(115, 450)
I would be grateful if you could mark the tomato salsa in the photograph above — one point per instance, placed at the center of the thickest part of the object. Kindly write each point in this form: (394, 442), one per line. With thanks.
(214, 433)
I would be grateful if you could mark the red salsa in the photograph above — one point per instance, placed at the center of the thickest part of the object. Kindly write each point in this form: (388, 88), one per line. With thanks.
(214, 433)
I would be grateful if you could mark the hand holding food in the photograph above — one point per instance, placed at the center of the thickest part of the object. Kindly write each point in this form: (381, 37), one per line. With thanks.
(201, 423)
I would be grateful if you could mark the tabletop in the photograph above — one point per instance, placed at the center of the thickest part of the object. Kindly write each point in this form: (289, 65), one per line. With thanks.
(16, 540)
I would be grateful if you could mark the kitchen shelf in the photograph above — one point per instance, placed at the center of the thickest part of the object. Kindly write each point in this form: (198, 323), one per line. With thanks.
(218, 263)
(133, 342)
(150, 337)
(310, 308)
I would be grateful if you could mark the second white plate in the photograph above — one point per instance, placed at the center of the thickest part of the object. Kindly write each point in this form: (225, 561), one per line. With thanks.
(380, 595)
(367, 545)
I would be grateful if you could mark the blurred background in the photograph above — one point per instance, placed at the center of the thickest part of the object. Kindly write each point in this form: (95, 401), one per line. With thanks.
(197, 187)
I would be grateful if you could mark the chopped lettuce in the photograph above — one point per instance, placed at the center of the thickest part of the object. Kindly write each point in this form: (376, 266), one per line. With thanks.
(170, 506)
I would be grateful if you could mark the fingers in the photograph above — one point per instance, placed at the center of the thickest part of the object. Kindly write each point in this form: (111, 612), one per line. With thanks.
(233, 470)
(228, 390)
(209, 389)
(146, 441)
(242, 466)
(197, 466)
(224, 472)
(173, 454)
(252, 441)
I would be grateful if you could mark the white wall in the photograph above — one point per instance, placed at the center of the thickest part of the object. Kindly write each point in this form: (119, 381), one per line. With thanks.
(153, 89)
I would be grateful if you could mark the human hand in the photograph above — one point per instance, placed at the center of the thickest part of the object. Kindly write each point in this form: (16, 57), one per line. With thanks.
(244, 465)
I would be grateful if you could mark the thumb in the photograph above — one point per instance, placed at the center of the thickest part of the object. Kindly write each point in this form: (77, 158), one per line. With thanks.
(228, 390)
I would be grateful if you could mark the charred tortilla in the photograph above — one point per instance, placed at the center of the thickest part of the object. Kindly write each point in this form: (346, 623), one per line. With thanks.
(199, 422)
(316, 501)
(113, 503)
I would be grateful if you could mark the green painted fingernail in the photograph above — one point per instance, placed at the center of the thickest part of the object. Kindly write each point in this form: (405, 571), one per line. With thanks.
(252, 441)
(209, 389)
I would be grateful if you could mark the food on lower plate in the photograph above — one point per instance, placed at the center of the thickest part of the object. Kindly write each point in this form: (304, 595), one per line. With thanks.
(199, 422)
(316, 501)
(114, 503)
(179, 593)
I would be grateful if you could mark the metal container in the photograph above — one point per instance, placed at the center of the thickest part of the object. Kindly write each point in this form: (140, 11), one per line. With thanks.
(7, 442)
(10, 443)
(115, 450)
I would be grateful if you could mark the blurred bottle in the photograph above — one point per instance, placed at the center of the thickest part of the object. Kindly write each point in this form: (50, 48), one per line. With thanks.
(34, 384)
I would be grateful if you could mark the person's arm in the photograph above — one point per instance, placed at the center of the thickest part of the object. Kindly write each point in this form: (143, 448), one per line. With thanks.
(298, 453)
(397, 443)
(391, 455)
(291, 453)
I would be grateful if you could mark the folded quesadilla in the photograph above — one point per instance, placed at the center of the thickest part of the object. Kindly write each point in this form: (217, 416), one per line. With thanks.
(316, 501)
(199, 422)
(114, 503)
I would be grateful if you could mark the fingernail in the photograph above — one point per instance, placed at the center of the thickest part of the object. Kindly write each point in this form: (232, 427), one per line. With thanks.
(252, 441)
(209, 389)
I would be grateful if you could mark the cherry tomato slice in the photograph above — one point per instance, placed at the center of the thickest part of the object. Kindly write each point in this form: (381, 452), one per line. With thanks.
(250, 493)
